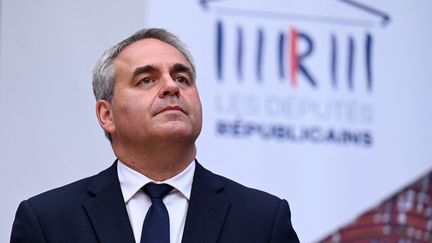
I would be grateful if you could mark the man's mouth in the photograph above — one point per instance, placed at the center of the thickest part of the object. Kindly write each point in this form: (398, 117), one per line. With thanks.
(171, 108)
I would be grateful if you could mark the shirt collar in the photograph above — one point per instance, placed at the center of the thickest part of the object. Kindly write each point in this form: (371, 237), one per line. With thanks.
(131, 181)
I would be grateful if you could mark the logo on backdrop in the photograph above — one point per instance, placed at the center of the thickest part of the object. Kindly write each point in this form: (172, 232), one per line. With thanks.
(290, 61)
(300, 78)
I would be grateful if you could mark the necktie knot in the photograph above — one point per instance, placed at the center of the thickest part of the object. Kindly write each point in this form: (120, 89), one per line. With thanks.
(156, 191)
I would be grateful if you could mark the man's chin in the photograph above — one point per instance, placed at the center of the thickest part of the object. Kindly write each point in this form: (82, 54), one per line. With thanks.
(171, 130)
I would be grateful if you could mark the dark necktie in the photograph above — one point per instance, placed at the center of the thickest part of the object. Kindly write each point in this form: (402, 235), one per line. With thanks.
(156, 223)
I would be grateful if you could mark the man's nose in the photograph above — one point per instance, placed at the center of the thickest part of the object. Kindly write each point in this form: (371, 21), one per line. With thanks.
(169, 88)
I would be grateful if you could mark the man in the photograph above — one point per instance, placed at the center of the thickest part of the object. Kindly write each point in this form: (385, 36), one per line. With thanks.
(150, 110)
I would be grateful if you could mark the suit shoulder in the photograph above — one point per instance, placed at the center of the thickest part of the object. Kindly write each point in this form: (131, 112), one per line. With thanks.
(236, 187)
(70, 193)
(248, 205)
(239, 192)
(246, 202)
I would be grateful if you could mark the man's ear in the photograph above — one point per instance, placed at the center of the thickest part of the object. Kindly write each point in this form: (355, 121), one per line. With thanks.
(105, 116)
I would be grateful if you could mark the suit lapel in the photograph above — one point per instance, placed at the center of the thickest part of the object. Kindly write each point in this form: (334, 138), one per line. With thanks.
(207, 208)
(106, 209)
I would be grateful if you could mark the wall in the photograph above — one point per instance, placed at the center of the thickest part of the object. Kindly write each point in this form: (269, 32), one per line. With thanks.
(324, 103)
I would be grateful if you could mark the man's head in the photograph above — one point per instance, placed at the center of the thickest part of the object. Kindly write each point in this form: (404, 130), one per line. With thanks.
(145, 90)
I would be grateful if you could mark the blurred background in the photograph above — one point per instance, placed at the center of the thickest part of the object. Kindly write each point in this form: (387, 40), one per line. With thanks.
(325, 103)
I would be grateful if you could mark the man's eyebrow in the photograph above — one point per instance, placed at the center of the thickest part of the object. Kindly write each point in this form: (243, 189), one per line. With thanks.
(181, 68)
(145, 69)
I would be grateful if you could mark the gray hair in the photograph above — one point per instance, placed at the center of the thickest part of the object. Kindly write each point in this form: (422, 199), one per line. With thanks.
(104, 72)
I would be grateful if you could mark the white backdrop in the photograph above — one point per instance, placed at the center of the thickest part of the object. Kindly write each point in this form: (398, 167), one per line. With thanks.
(335, 150)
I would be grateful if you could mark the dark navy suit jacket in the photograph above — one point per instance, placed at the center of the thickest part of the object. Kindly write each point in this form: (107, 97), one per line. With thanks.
(93, 210)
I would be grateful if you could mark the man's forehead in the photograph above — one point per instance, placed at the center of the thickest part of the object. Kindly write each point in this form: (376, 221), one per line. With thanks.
(148, 47)
(150, 52)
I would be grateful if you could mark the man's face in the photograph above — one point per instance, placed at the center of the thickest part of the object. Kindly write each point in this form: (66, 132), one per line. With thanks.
(155, 96)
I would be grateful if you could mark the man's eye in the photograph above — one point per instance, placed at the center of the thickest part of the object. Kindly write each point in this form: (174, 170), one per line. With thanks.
(182, 80)
(146, 80)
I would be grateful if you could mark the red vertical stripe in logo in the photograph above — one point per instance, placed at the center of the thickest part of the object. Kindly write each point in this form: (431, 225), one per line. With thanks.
(293, 56)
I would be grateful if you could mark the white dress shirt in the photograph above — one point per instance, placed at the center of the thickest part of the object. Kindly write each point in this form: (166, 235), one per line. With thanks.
(138, 203)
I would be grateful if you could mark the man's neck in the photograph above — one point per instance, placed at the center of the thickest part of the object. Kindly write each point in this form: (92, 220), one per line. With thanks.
(157, 162)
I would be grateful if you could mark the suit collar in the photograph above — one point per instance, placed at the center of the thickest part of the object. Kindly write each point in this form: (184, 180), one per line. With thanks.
(207, 208)
(106, 208)
(205, 217)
